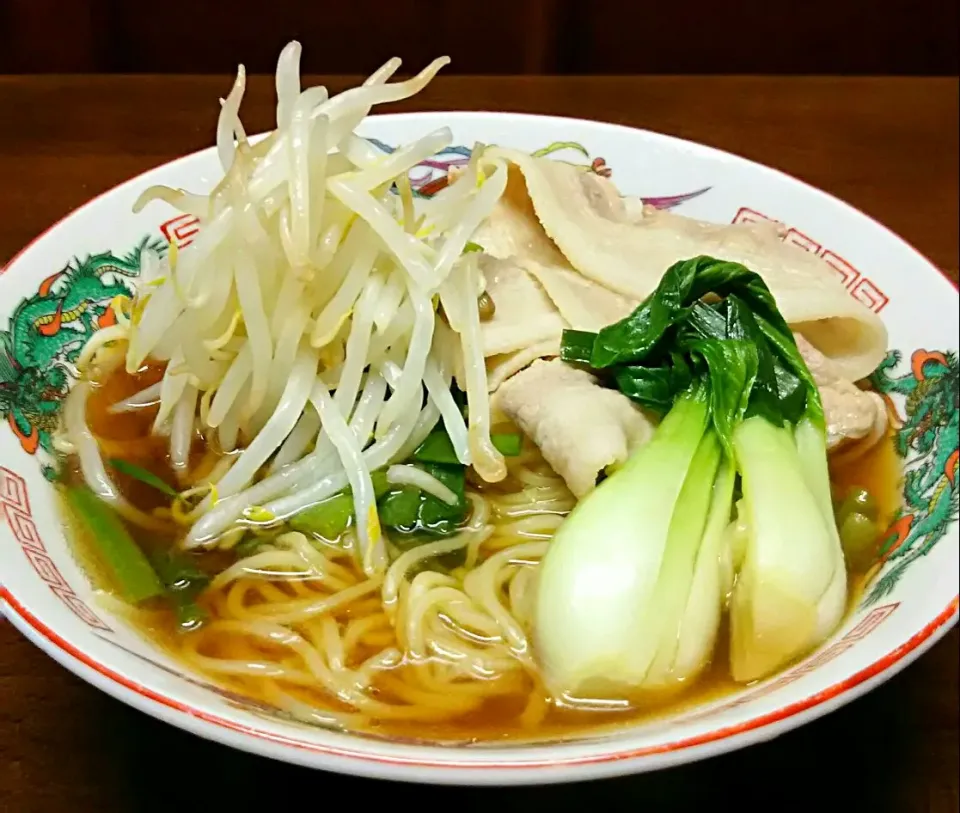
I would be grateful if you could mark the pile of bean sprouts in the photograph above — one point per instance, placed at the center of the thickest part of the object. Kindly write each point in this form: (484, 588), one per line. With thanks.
(301, 330)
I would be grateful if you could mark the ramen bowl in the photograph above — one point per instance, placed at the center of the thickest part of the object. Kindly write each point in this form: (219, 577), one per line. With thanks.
(53, 294)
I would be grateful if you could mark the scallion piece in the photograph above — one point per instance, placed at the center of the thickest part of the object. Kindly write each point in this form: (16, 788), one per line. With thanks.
(184, 582)
(858, 501)
(507, 443)
(858, 537)
(144, 476)
(134, 576)
(334, 515)
(438, 448)
(328, 519)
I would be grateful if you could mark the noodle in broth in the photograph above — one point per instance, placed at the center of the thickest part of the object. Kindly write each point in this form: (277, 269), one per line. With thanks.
(425, 652)
(322, 331)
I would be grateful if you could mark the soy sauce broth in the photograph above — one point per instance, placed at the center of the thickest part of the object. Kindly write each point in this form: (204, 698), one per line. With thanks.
(127, 436)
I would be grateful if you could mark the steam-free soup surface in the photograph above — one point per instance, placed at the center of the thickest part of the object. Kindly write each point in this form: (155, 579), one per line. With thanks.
(518, 709)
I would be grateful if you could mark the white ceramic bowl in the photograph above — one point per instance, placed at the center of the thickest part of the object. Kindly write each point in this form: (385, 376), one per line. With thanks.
(911, 602)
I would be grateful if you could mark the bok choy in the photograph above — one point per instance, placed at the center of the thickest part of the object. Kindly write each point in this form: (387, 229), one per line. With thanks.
(632, 589)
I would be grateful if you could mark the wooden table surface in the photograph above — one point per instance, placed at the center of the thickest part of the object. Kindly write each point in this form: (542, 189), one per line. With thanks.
(888, 146)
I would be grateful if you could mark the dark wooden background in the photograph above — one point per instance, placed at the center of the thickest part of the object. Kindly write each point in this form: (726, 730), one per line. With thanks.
(64, 746)
(887, 145)
(902, 37)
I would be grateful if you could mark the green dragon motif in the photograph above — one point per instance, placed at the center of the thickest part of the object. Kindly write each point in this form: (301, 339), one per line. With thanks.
(931, 433)
(48, 330)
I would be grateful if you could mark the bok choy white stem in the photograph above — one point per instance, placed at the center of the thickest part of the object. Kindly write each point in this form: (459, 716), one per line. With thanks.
(600, 578)
(632, 588)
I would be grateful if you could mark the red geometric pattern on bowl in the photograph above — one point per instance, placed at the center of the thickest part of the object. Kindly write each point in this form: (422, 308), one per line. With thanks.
(857, 633)
(861, 288)
(16, 509)
(180, 229)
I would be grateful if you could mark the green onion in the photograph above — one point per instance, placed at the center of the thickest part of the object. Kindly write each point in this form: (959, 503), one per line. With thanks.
(190, 615)
(334, 515)
(440, 563)
(858, 537)
(247, 546)
(134, 576)
(507, 443)
(400, 508)
(577, 346)
(184, 582)
(179, 571)
(328, 519)
(408, 510)
(144, 476)
(438, 448)
(470, 247)
(859, 501)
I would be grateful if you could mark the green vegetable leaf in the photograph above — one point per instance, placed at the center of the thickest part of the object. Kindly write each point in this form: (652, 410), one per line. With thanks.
(733, 372)
(329, 518)
(404, 509)
(764, 393)
(857, 500)
(707, 322)
(444, 562)
(332, 516)
(700, 305)
(438, 448)
(655, 388)
(471, 247)
(380, 484)
(247, 546)
(408, 510)
(859, 536)
(436, 516)
(783, 344)
(792, 392)
(508, 444)
(576, 346)
(400, 509)
(179, 571)
(184, 582)
(709, 275)
(635, 337)
(132, 572)
(190, 615)
(738, 321)
(144, 476)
